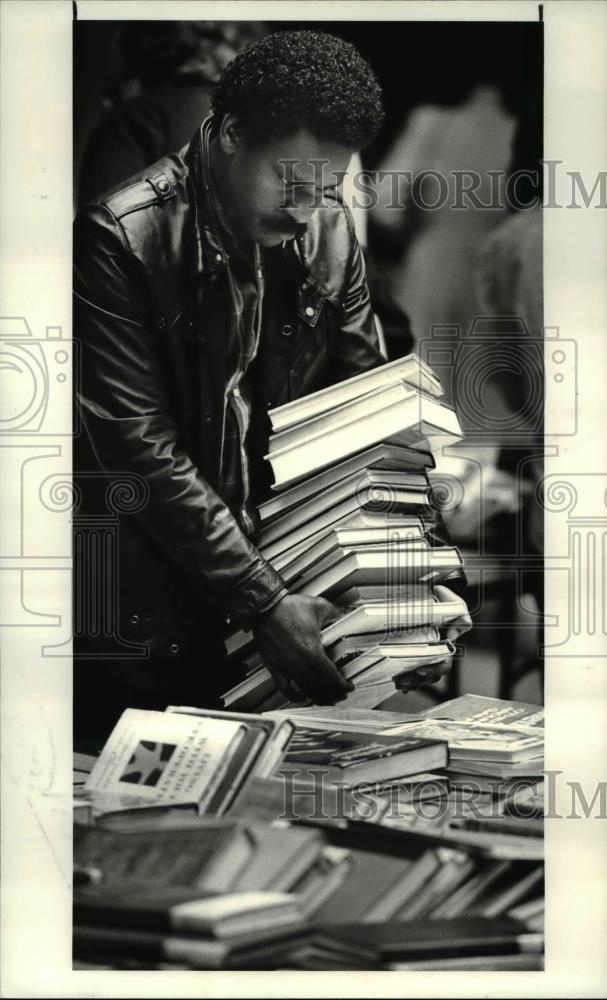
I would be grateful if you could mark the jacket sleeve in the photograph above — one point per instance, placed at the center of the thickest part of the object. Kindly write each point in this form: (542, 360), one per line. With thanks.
(357, 345)
(124, 398)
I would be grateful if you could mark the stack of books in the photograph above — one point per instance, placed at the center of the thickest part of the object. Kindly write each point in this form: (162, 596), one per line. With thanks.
(494, 772)
(353, 522)
(194, 757)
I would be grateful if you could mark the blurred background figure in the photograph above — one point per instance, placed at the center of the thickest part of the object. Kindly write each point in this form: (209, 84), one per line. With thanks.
(432, 278)
(166, 73)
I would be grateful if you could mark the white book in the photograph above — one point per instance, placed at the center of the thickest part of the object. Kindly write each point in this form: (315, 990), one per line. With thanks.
(281, 552)
(165, 757)
(381, 456)
(356, 644)
(381, 490)
(347, 415)
(382, 618)
(410, 369)
(376, 566)
(407, 417)
(387, 661)
(387, 618)
(280, 540)
(338, 543)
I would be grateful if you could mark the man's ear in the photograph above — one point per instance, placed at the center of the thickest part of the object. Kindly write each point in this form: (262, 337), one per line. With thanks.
(230, 135)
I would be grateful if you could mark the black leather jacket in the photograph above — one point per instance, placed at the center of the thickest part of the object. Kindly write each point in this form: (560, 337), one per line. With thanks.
(150, 284)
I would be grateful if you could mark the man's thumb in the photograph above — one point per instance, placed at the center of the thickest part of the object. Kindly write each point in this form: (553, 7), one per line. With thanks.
(326, 611)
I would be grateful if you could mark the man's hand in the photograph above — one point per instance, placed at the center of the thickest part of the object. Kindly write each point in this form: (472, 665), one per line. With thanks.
(413, 679)
(432, 673)
(288, 641)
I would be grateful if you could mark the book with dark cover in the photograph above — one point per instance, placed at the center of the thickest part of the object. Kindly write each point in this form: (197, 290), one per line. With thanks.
(394, 940)
(354, 757)
(205, 856)
(184, 910)
(371, 877)
(283, 856)
(261, 949)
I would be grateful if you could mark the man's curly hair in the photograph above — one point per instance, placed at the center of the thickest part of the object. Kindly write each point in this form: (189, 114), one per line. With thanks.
(295, 79)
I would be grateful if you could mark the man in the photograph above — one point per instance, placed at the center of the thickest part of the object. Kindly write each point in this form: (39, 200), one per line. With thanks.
(208, 289)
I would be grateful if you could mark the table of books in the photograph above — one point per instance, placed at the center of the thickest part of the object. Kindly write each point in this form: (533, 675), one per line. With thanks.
(313, 839)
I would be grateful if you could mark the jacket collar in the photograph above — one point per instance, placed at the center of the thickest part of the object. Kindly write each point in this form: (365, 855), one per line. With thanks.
(212, 238)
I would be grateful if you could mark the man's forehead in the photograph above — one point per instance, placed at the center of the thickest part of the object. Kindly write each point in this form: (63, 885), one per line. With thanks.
(304, 159)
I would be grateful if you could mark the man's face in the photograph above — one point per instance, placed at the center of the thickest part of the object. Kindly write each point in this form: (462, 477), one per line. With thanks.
(274, 187)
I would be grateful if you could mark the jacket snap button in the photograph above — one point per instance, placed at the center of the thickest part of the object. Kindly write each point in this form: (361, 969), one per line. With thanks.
(218, 257)
(174, 647)
(134, 619)
(309, 311)
(287, 330)
(163, 186)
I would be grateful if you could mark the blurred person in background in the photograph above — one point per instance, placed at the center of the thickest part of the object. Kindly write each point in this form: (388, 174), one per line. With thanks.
(433, 277)
(170, 69)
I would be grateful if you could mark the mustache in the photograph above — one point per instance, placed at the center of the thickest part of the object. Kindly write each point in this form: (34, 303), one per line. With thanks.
(284, 224)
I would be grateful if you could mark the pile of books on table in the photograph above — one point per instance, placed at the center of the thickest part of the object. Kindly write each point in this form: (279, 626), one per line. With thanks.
(353, 522)
(328, 839)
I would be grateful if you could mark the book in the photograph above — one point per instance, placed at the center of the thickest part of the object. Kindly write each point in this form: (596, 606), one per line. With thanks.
(388, 661)
(343, 416)
(389, 617)
(372, 876)
(152, 949)
(454, 867)
(340, 541)
(482, 709)
(393, 413)
(166, 757)
(511, 894)
(374, 489)
(350, 758)
(283, 856)
(458, 902)
(386, 456)
(184, 909)
(374, 566)
(519, 962)
(336, 717)
(411, 369)
(353, 645)
(417, 874)
(322, 880)
(278, 733)
(346, 515)
(401, 940)
(204, 855)
(471, 741)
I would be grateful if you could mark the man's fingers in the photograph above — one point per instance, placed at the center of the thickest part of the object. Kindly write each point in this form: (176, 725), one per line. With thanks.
(413, 679)
(321, 680)
(458, 626)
